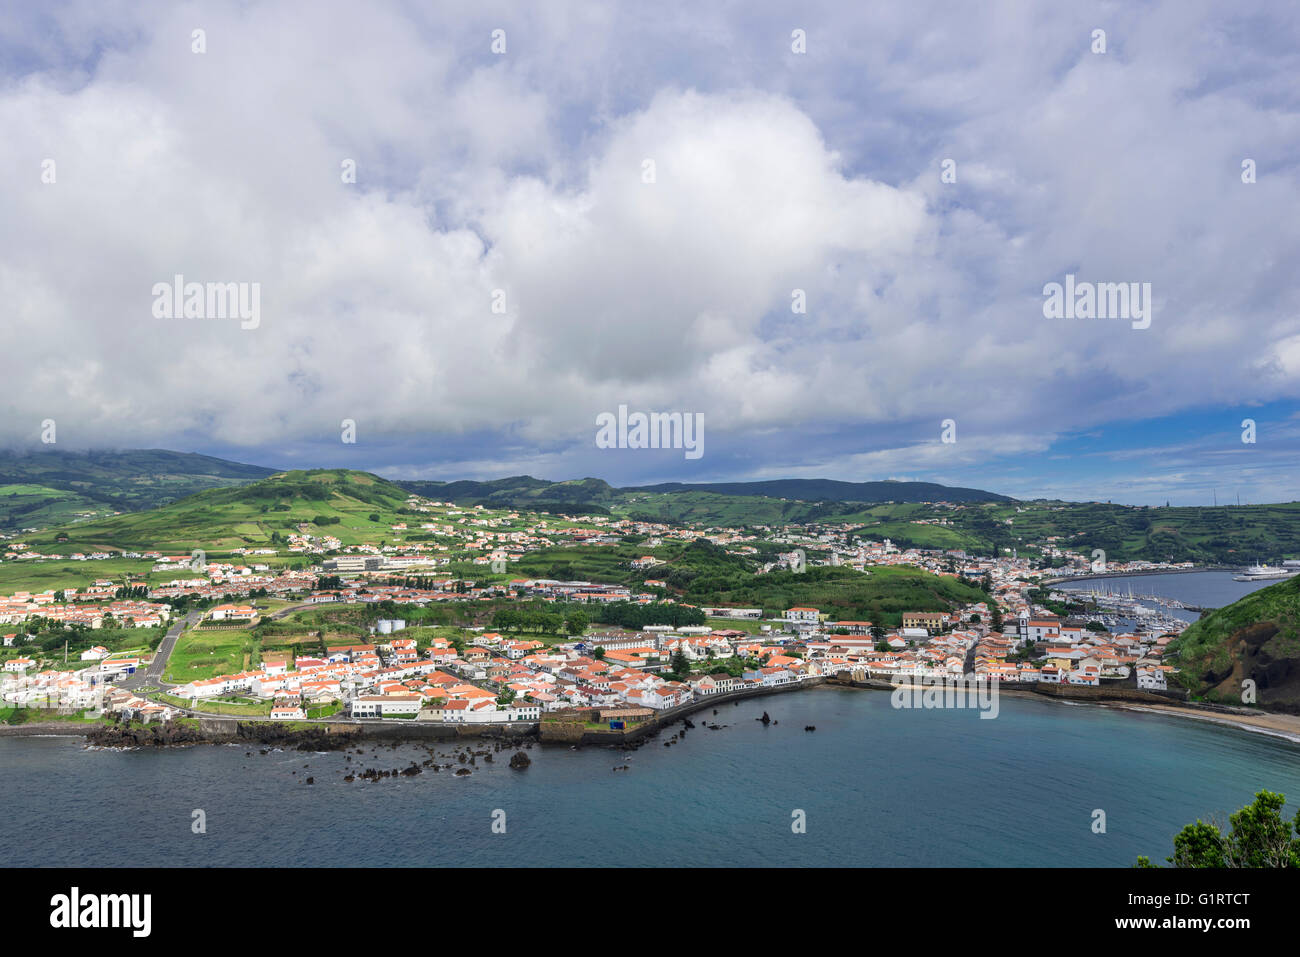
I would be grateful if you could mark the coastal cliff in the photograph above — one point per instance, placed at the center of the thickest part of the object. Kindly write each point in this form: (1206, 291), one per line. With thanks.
(1256, 639)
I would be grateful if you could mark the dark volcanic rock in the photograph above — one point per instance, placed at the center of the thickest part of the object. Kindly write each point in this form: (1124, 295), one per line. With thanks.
(520, 760)
(150, 736)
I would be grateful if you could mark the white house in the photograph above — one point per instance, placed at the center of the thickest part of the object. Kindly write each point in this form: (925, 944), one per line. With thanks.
(1152, 679)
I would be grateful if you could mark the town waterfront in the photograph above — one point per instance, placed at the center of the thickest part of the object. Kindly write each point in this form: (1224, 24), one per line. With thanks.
(879, 787)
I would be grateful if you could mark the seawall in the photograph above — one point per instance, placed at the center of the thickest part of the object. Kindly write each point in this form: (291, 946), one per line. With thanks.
(577, 733)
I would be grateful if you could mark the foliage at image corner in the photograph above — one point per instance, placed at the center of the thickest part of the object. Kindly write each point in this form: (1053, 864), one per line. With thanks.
(1259, 837)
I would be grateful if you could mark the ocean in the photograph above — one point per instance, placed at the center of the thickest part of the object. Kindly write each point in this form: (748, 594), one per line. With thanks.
(876, 786)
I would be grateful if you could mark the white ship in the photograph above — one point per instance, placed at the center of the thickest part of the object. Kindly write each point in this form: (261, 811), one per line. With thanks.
(1257, 573)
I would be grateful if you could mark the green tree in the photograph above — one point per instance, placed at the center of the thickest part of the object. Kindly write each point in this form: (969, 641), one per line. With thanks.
(1260, 838)
(575, 622)
(680, 666)
(1199, 845)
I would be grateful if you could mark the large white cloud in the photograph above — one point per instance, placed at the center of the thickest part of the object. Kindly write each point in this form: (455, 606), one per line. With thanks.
(524, 173)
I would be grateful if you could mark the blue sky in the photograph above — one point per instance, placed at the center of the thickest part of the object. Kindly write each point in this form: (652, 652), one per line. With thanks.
(517, 179)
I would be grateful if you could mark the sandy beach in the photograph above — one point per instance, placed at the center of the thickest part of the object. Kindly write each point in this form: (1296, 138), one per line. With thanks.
(1280, 725)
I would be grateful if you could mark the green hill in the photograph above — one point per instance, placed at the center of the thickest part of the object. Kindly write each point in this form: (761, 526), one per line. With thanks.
(1256, 638)
(612, 564)
(1226, 534)
(44, 487)
(880, 596)
(701, 573)
(334, 501)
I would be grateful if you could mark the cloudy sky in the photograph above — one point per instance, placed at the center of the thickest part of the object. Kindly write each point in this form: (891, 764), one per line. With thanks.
(616, 205)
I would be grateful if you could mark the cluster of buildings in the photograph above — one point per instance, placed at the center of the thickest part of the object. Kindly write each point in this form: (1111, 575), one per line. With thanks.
(1068, 652)
(89, 608)
(71, 691)
(1032, 646)
(500, 678)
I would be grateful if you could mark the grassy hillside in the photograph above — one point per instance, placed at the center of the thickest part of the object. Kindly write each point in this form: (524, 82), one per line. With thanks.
(1256, 638)
(39, 506)
(520, 491)
(907, 513)
(1234, 535)
(49, 486)
(880, 596)
(701, 573)
(1227, 535)
(710, 508)
(612, 563)
(247, 515)
(83, 491)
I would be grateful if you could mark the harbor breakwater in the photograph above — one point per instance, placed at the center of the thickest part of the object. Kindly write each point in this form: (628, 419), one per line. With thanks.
(557, 730)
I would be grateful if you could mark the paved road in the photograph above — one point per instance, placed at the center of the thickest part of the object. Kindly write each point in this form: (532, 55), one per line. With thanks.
(152, 676)
(285, 612)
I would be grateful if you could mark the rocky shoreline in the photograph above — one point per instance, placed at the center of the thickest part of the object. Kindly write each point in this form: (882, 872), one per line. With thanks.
(319, 737)
(176, 734)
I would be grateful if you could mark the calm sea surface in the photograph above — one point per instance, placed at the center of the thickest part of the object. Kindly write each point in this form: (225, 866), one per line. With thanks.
(878, 786)
(1204, 589)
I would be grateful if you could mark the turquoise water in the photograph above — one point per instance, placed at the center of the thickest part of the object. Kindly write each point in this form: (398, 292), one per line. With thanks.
(878, 786)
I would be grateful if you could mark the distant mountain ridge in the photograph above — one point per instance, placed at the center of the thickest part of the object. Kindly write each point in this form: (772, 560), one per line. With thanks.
(526, 490)
(48, 486)
(84, 466)
(833, 490)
